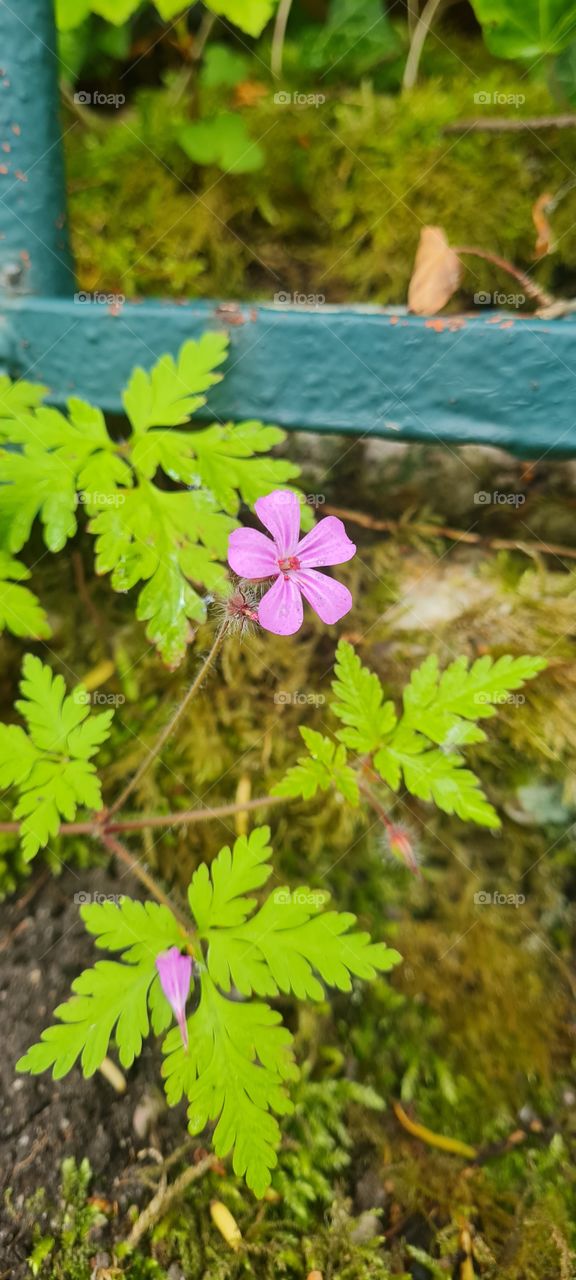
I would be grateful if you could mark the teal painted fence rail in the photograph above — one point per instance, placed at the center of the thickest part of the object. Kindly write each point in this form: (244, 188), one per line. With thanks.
(488, 379)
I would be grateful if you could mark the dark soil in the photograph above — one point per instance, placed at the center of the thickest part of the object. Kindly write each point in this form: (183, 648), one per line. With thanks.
(45, 946)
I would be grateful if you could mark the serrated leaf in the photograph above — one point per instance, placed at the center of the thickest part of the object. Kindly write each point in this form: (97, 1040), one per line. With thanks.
(150, 538)
(20, 610)
(216, 894)
(234, 1072)
(19, 397)
(50, 765)
(287, 943)
(360, 703)
(171, 542)
(326, 766)
(431, 775)
(171, 391)
(111, 998)
(436, 703)
(140, 929)
(290, 941)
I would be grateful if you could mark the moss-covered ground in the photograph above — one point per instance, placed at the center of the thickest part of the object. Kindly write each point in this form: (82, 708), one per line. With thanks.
(473, 1034)
(345, 187)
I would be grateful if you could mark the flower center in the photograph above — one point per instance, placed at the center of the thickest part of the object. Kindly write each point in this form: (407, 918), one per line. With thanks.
(287, 563)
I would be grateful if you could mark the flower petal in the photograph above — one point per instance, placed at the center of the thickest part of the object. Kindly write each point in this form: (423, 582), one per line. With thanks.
(251, 554)
(330, 599)
(327, 543)
(280, 610)
(175, 973)
(280, 514)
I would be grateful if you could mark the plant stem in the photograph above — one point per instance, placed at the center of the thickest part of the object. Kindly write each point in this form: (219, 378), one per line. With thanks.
(123, 855)
(374, 803)
(504, 124)
(421, 30)
(453, 534)
(532, 289)
(155, 750)
(165, 1197)
(184, 818)
(279, 36)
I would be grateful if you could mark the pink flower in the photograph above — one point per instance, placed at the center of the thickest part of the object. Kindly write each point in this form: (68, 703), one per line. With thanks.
(175, 971)
(292, 562)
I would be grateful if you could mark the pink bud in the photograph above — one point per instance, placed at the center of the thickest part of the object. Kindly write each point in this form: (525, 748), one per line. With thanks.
(402, 848)
(175, 972)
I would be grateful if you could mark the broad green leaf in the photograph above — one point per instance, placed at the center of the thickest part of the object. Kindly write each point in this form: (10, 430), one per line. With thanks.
(169, 9)
(250, 15)
(116, 11)
(20, 610)
(223, 140)
(527, 29)
(70, 13)
(222, 65)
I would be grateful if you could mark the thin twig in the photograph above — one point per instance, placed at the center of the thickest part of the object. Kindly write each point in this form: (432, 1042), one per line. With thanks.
(533, 290)
(123, 855)
(184, 818)
(453, 535)
(507, 124)
(282, 15)
(165, 1198)
(155, 750)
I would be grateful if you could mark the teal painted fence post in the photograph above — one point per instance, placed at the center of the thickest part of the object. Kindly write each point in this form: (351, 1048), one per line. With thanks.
(34, 249)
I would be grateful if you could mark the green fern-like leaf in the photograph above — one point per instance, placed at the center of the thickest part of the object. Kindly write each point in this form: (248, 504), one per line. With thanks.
(19, 397)
(287, 942)
(50, 764)
(360, 702)
(169, 545)
(234, 1073)
(323, 768)
(116, 997)
(239, 1057)
(440, 711)
(436, 702)
(20, 610)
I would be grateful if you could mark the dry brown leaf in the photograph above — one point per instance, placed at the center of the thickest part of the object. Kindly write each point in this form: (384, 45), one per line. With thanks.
(249, 93)
(544, 237)
(436, 275)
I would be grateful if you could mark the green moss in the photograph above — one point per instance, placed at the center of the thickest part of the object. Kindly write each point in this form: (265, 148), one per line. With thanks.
(337, 208)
